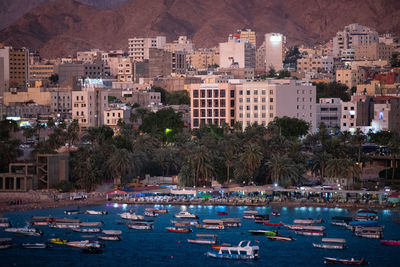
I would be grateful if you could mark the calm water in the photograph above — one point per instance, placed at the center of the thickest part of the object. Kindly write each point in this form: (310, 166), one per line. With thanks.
(161, 248)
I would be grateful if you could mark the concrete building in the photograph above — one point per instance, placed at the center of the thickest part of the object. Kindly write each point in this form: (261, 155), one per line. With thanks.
(28, 110)
(19, 62)
(212, 104)
(329, 112)
(262, 102)
(143, 97)
(350, 77)
(246, 34)
(356, 113)
(353, 35)
(180, 45)
(37, 94)
(40, 72)
(112, 115)
(70, 73)
(175, 83)
(4, 69)
(125, 70)
(315, 64)
(237, 73)
(386, 113)
(20, 177)
(138, 48)
(374, 51)
(90, 56)
(260, 60)
(51, 169)
(61, 101)
(239, 53)
(163, 63)
(274, 51)
(202, 59)
(370, 89)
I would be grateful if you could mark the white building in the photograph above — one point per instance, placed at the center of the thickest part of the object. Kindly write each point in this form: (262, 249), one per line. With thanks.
(182, 45)
(238, 53)
(89, 56)
(274, 51)
(329, 112)
(138, 48)
(125, 70)
(349, 116)
(113, 115)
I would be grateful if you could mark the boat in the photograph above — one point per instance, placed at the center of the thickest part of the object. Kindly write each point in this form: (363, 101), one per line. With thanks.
(179, 229)
(231, 222)
(344, 261)
(310, 232)
(4, 222)
(150, 213)
(185, 222)
(262, 232)
(92, 250)
(160, 211)
(218, 246)
(25, 231)
(341, 220)
(369, 232)
(331, 243)
(186, 214)
(96, 212)
(94, 224)
(222, 213)
(204, 239)
(390, 242)
(110, 237)
(305, 227)
(243, 251)
(307, 221)
(58, 241)
(5, 243)
(131, 216)
(212, 224)
(64, 225)
(363, 223)
(34, 245)
(51, 219)
(87, 230)
(281, 238)
(366, 215)
(84, 244)
(272, 223)
(261, 218)
(141, 225)
(249, 214)
(275, 213)
(71, 212)
(112, 232)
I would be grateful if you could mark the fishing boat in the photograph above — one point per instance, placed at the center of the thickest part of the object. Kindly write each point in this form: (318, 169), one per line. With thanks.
(110, 237)
(150, 213)
(34, 245)
(112, 232)
(89, 224)
(307, 221)
(186, 214)
(341, 220)
(366, 215)
(141, 225)
(231, 222)
(96, 212)
(87, 230)
(369, 232)
(179, 229)
(25, 231)
(390, 242)
(84, 244)
(5, 243)
(131, 216)
(249, 214)
(204, 239)
(218, 246)
(344, 261)
(363, 223)
(261, 218)
(243, 251)
(64, 225)
(71, 212)
(310, 232)
(222, 213)
(281, 238)
(331, 243)
(211, 224)
(262, 232)
(92, 250)
(272, 223)
(58, 241)
(4, 222)
(305, 227)
(275, 213)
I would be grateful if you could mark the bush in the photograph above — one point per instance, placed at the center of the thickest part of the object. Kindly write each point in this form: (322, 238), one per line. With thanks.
(64, 186)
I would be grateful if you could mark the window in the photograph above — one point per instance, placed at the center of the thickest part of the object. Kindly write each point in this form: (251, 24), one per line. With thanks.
(247, 107)
(271, 107)
(222, 93)
(263, 100)
(240, 107)
(271, 100)
(255, 100)
(263, 92)
(241, 92)
(196, 94)
(232, 93)
(255, 107)
(240, 100)
(263, 115)
(271, 92)
(248, 100)
(248, 92)
(271, 115)
(255, 92)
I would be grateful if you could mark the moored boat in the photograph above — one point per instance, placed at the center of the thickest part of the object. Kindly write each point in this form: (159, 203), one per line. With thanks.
(186, 214)
(261, 218)
(262, 232)
(131, 216)
(179, 229)
(84, 244)
(281, 238)
(310, 232)
(249, 214)
(307, 221)
(275, 213)
(272, 223)
(94, 224)
(150, 213)
(61, 225)
(305, 227)
(110, 237)
(231, 222)
(369, 232)
(25, 231)
(58, 241)
(366, 215)
(87, 230)
(390, 242)
(344, 261)
(222, 213)
(243, 251)
(71, 212)
(331, 243)
(112, 232)
(341, 220)
(141, 225)
(212, 224)
(4, 222)
(161, 211)
(218, 246)
(96, 212)
(5, 243)
(34, 245)
(185, 222)
(204, 239)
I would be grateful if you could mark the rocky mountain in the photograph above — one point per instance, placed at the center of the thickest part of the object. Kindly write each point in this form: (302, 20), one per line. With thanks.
(58, 28)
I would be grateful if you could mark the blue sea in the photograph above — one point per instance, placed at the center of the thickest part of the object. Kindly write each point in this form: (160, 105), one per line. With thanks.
(161, 248)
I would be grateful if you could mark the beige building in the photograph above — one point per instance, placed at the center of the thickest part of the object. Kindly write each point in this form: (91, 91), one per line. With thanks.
(314, 64)
(274, 51)
(180, 45)
(374, 51)
(203, 58)
(370, 89)
(138, 48)
(163, 63)
(125, 70)
(36, 94)
(237, 53)
(329, 112)
(247, 34)
(350, 77)
(40, 72)
(260, 60)
(19, 62)
(61, 101)
(386, 113)
(89, 56)
(113, 115)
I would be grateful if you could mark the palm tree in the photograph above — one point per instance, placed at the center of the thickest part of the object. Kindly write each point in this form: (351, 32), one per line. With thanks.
(228, 154)
(283, 169)
(394, 147)
(250, 159)
(121, 163)
(343, 168)
(319, 161)
(200, 160)
(358, 139)
(344, 137)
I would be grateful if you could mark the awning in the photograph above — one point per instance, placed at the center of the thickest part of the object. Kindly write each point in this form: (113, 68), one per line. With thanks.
(117, 192)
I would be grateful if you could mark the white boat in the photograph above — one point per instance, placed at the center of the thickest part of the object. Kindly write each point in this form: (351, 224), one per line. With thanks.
(204, 239)
(369, 232)
(131, 216)
(211, 224)
(249, 214)
(186, 214)
(34, 245)
(241, 252)
(185, 222)
(96, 212)
(25, 231)
(94, 224)
(331, 243)
(310, 232)
(110, 237)
(307, 221)
(64, 225)
(4, 222)
(87, 230)
(84, 244)
(5, 243)
(112, 232)
(141, 225)
(71, 212)
(305, 227)
(150, 212)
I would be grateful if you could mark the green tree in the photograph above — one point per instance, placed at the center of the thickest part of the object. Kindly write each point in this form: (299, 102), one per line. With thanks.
(290, 127)
(249, 160)
(120, 163)
(332, 90)
(343, 168)
(178, 98)
(394, 148)
(284, 170)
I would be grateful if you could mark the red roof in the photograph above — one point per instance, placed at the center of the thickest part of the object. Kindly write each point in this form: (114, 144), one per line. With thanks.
(385, 98)
(117, 192)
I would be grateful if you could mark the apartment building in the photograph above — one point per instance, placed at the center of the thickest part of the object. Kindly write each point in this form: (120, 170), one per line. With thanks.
(40, 72)
(274, 51)
(61, 101)
(314, 64)
(142, 97)
(329, 112)
(183, 44)
(248, 34)
(125, 70)
(356, 113)
(386, 113)
(260, 59)
(138, 48)
(374, 51)
(89, 56)
(350, 77)
(239, 53)
(112, 115)
(163, 63)
(212, 103)
(202, 59)
(25, 110)
(37, 94)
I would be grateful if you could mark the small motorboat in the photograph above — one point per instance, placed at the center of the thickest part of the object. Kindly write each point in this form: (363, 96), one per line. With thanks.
(262, 232)
(5, 243)
(84, 244)
(369, 232)
(344, 261)
(179, 229)
(281, 238)
(305, 227)
(307, 221)
(91, 224)
(231, 222)
(218, 246)
(131, 216)
(25, 231)
(150, 213)
(96, 212)
(272, 223)
(62, 225)
(87, 230)
(249, 214)
(222, 213)
(4, 222)
(275, 213)
(141, 225)
(186, 214)
(58, 241)
(71, 212)
(261, 218)
(367, 215)
(341, 220)
(390, 242)
(112, 232)
(243, 251)
(204, 239)
(160, 211)
(331, 243)
(310, 232)
(212, 224)
(110, 237)
(92, 250)
(34, 245)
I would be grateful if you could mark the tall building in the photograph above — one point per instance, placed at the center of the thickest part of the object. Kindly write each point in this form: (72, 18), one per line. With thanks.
(329, 112)
(260, 59)
(40, 72)
(239, 53)
(374, 51)
(353, 35)
(138, 48)
(125, 70)
(13, 67)
(163, 63)
(202, 59)
(246, 34)
(274, 51)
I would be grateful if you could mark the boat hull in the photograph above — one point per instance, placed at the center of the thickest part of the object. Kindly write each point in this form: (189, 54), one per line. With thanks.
(230, 256)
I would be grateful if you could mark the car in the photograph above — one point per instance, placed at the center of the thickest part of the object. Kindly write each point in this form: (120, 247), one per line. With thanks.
(386, 189)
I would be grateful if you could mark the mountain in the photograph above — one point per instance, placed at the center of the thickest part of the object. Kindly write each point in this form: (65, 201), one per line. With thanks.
(59, 28)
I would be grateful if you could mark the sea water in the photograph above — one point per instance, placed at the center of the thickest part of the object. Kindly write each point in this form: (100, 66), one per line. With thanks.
(159, 247)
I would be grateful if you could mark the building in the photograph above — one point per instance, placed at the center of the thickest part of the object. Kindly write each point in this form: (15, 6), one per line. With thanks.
(180, 45)
(202, 59)
(61, 101)
(113, 115)
(37, 94)
(260, 60)
(314, 64)
(20, 177)
(4, 69)
(176, 83)
(329, 112)
(143, 98)
(27, 110)
(356, 113)
(70, 73)
(19, 62)
(90, 56)
(239, 53)
(353, 35)
(163, 63)
(370, 89)
(274, 51)
(212, 104)
(373, 51)
(138, 48)
(237, 73)
(125, 70)
(40, 72)
(51, 169)
(386, 113)
(246, 34)
(350, 77)
(262, 102)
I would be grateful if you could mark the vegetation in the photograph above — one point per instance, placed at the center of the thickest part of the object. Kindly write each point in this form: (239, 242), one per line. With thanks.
(173, 98)
(332, 90)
